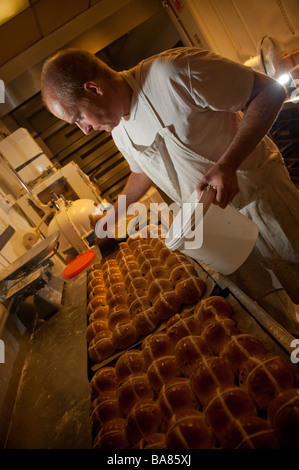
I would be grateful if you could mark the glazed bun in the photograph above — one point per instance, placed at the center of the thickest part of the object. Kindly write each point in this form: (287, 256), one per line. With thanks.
(96, 327)
(250, 432)
(156, 345)
(114, 289)
(239, 348)
(133, 240)
(283, 413)
(225, 404)
(137, 283)
(265, 376)
(103, 380)
(161, 370)
(129, 363)
(212, 308)
(114, 278)
(172, 258)
(123, 251)
(182, 271)
(104, 408)
(112, 435)
(101, 346)
(181, 325)
(96, 301)
(97, 290)
(93, 282)
(188, 430)
(132, 390)
(148, 264)
(116, 315)
(127, 264)
(144, 419)
(167, 304)
(130, 276)
(119, 299)
(190, 290)
(108, 263)
(124, 334)
(157, 286)
(188, 350)
(95, 266)
(218, 333)
(99, 313)
(157, 272)
(156, 440)
(95, 273)
(208, 374)
(111, 271)
(175, 395)
(138, 301)
(145, 321)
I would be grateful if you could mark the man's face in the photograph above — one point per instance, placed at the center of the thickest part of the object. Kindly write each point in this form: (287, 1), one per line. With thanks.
(94, 113)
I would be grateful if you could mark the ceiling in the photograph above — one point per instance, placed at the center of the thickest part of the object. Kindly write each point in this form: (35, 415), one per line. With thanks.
(232, 28)
(36, 21)
(49, 25)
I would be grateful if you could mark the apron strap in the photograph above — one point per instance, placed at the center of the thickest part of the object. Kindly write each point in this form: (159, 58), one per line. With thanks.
(138, 92)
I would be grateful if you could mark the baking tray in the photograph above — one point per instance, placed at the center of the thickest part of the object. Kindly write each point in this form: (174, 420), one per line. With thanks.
(210, 286)
(249, 317)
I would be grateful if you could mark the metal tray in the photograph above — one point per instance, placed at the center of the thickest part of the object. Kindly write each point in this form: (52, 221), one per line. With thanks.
(250, 319)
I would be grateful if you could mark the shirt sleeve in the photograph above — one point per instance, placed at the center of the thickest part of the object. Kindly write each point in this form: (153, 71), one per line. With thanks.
(219, 83)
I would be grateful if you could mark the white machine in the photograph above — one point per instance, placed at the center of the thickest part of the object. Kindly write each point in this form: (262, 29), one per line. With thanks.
(73, 223)
(52, 199)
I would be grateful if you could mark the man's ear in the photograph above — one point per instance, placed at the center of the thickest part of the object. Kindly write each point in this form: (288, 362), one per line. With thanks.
(93, 87)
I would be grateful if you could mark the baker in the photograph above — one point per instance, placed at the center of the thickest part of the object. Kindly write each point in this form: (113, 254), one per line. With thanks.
(185, 119)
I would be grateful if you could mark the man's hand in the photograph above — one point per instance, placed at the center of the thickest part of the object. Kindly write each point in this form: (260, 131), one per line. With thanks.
(224, 180)
(94, 218)
(93, 221)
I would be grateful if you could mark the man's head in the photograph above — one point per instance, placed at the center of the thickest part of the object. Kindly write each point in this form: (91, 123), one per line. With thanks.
(79, 88)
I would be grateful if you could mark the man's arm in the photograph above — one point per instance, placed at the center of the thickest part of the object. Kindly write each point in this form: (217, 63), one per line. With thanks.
(135, 188)
(262, 108)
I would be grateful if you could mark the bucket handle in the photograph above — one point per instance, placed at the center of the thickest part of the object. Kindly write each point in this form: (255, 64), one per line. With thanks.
(206, 197)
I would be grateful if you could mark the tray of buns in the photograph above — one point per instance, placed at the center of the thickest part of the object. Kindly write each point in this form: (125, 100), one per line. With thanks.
(181, 363)
(132, 292)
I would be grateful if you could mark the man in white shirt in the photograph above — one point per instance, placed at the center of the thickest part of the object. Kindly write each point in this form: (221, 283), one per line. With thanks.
(178, 118)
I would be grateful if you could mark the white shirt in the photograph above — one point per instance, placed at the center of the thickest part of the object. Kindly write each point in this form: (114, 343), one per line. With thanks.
(200, 95)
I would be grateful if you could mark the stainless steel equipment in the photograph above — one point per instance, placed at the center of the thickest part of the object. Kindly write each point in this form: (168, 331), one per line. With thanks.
(30, 275)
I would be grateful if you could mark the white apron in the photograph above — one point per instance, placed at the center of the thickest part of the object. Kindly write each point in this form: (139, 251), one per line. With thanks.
(176, 170)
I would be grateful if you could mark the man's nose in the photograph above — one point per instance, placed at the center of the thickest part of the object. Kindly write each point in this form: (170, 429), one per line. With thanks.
(86, 128)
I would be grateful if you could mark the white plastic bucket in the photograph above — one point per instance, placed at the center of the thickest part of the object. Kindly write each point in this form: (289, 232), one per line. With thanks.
(228, 237)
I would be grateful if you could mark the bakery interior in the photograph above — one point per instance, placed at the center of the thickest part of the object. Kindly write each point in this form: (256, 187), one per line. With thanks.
(76, 372)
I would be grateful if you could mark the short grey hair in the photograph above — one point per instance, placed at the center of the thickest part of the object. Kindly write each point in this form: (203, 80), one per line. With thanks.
(65, 73)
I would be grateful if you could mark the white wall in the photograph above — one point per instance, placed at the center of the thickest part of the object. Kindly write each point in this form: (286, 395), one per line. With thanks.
(233, 28)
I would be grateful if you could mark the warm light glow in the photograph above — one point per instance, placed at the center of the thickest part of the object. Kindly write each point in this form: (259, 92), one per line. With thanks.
(284, 78)
(11, 8)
